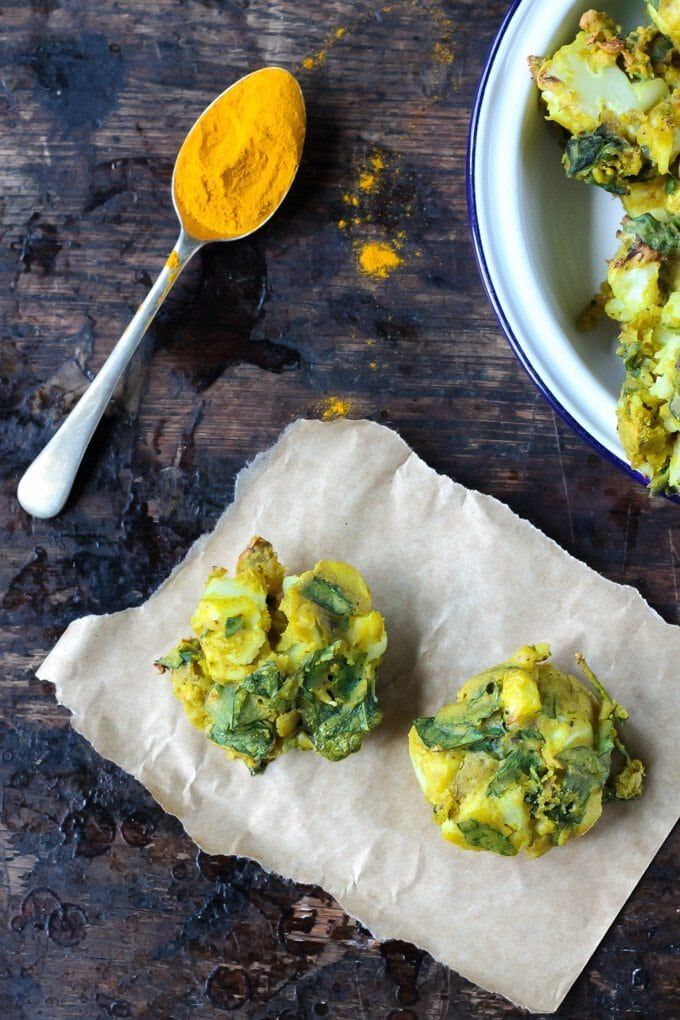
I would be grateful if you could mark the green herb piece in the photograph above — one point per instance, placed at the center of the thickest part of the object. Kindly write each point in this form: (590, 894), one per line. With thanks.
(349, 684)
(530, 733)
(232, 625)
(458, 725)
(447, 738)
(632, 356)
(660, 47)
(479, 706)
(316, 671)
(603, 158)
(256, 740)
(610, 711)
(519, 762)
(586, 771)
(243, 714)
(662, 237)
(337, 703)
(264, 682)
(172, 660)
(328, 596)
(340, 730)
(221, 704)
(627, 783)
(186, 651)
(549, 701)
(486, 837)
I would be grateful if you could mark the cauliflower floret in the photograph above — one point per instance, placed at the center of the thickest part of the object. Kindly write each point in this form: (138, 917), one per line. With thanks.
(670, 313)
(633, 277)
(647, 197)
(659, 133)
(583, 87)
(665, 367)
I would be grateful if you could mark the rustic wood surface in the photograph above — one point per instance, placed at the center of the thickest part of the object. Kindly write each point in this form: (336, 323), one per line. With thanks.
(107, 907)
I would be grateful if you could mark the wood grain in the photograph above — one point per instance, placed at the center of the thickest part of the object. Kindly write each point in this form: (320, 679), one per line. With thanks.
(108, 908)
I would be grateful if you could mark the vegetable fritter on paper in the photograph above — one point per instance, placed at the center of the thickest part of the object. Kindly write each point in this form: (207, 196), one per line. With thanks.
(618, 98)
(523, 758)
(279, 662)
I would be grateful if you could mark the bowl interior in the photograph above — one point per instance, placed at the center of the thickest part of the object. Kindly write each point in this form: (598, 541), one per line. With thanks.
(545, 239)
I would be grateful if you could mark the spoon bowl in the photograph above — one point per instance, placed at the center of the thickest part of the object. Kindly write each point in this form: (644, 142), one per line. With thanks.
(276, 176)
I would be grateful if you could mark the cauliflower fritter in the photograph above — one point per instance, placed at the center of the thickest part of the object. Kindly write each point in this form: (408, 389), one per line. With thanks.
(522, 759)
(280, 661)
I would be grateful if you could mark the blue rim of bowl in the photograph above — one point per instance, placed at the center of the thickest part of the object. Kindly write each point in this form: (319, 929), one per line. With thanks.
(496, 305)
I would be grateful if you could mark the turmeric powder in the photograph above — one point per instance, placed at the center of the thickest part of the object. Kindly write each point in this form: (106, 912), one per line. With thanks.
(335, 407)
(379, 259)
(240, 158)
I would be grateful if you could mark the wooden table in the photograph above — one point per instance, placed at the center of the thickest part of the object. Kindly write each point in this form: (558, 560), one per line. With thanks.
(108, 908)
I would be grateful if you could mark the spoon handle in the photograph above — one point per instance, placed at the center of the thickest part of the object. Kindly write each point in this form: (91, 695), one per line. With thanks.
(45, 486)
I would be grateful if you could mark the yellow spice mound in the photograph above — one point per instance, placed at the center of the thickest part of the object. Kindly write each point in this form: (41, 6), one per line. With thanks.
(378, 259)
(240, 158)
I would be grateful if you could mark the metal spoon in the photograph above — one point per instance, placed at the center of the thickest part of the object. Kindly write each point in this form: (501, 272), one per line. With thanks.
(45, 486)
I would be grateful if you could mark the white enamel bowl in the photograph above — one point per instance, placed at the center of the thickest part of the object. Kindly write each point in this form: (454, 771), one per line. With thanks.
(541, 240)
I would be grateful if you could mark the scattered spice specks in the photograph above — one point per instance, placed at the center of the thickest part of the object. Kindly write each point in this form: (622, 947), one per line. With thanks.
(318, 58)
(442, 50)
(335, 407)
(380, 199)
(309, 63)
(443, 53)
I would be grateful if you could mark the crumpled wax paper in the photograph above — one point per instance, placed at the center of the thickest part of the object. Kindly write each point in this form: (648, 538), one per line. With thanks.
(462, 583)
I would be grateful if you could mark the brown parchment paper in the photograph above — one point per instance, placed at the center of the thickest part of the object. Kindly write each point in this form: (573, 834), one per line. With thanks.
(462, 582)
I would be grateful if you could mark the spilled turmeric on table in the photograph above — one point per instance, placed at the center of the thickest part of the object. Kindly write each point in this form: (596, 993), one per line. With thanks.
(369, 201)
(311, 63)
(240, 158)
(443, 52)
(335, 407)
(377, 258)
